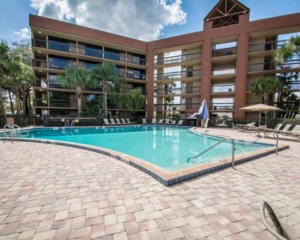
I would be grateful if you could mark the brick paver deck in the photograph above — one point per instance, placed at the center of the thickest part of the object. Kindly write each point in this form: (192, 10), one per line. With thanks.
(56, 192)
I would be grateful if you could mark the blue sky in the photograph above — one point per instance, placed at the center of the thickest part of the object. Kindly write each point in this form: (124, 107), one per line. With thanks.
(187, 16)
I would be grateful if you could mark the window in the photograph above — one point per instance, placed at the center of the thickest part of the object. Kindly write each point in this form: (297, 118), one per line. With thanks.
(58, 44)
(54, 82)
(58, 62)
(93, 51)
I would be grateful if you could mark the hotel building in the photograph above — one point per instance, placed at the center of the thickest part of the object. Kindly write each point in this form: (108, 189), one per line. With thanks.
(177, 73)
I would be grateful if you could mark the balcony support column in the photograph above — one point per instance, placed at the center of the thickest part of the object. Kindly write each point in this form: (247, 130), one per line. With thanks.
(150, 83)
(242, 63)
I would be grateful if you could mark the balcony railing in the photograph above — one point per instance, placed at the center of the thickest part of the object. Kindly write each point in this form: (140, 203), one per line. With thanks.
(178, 91)
(133, 75)
(272, 45)
(222, 106)
(224, 52)
(222, 71)
(55, 103)
(88, 51)
(268, 66)
(222, 88)
(176, 107)
(179, 58)
(178, 75)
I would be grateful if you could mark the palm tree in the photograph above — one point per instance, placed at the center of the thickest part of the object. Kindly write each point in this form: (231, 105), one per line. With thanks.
(136, 100)
(4, 57)
(289, 48)
(267, 86)
(79, 78)
(109, 78)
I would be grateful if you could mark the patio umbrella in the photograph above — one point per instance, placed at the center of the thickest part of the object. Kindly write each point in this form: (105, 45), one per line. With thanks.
(260, 108)
(203, 111)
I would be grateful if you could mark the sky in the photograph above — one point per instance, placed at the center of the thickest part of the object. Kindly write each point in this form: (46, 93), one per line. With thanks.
(140, 19)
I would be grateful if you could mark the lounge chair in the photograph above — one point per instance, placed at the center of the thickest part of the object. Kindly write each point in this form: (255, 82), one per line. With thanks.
(118, 121)
(271, 130)
(167, 121)
(153, 121)
(285, 129)
(160, 121)
(112, 121)
(144, 121)
(106, 122)
(173, 122)
(123, 121)
(128, 121)
(180, 122)
(295, 132)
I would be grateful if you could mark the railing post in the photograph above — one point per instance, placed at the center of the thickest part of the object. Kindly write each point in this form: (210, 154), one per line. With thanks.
(233, 149)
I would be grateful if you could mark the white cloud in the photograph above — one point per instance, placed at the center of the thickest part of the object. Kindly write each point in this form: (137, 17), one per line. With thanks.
(140, 19)
(24, 33)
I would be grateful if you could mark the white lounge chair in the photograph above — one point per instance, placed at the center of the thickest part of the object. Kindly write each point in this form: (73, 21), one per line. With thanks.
(123, 121)
(153, 121)
(112, 121)
(160, 121)
(118, 121)
(180, 122)
(128, 121)
(173, 122)
(144, 121)
(106, 122)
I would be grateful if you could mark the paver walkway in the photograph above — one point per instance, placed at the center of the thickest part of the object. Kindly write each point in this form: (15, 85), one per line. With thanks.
(56, 192)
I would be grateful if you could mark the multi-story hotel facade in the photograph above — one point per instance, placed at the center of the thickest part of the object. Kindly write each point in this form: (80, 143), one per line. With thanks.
(216, 64)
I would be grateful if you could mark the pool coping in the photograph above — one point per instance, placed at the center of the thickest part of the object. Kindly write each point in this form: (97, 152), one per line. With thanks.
(163, 176)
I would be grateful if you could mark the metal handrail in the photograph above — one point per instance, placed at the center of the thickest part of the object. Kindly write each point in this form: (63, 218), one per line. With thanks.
(14, 130)
(206, 150)
(281, 234)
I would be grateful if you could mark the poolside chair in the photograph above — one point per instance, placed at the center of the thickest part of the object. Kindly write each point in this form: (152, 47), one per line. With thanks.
(118, 121)
(106, 122)
(295, 132)
(153, 121)
(167, 121)
(160, 121)
(180, 122)
(144, 121)
(271, 130)
(123, 121)
(173, 122)
(128, 121)
(285, 129)
(112, 121)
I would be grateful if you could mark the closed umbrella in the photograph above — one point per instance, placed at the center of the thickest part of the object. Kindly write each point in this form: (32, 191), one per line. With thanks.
(203, 112)
(260, 108)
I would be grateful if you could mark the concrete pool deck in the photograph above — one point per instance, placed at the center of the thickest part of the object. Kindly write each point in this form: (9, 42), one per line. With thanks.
(57, 192)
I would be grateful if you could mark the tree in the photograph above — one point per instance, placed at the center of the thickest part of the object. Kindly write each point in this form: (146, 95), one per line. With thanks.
(266, 86)
(289, 48)
(168, 101)
(4, 57)
(79, 78)
(112, 83)
(136, 100)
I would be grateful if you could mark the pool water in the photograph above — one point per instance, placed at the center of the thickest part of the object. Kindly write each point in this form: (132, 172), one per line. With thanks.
(166, 147)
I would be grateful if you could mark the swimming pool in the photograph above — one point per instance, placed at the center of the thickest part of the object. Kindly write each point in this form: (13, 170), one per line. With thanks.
(166, 147)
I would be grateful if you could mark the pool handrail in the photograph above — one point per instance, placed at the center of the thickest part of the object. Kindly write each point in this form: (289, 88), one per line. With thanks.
(281, 233)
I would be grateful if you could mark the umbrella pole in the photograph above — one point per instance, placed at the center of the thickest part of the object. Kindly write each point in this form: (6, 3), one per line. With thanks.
(259, 118)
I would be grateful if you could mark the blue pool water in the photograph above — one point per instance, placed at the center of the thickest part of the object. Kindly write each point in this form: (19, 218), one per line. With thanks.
(166, 147)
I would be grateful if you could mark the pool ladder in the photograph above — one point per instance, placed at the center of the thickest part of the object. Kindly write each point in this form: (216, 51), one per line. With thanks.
(13, 131)
(67, 124)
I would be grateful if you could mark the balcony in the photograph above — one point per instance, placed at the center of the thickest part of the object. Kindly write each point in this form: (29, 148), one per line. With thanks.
(178, 75)
(176, 107)
(224, 52)
(224, 88)
(87, 51)
(177, 91)
(54, 103)
(222, 106)
(179, 58)
(267, 46)
(293, 65)
(223, 71)
(134, 76)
